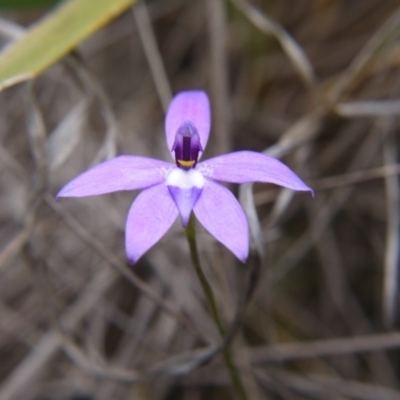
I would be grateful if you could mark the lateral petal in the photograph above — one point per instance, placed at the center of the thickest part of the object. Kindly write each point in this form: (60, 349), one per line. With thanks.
(250, 166)
(221, 214)
(150, 216)
(192, 106)
(119, 173)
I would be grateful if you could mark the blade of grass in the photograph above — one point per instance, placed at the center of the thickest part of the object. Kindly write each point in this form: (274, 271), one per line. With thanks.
(55, 36)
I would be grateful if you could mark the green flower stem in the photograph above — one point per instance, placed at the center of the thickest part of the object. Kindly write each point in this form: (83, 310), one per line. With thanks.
(230, 365)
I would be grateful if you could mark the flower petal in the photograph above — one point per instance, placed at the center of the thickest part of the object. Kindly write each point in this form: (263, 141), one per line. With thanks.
(192, 106)
(150, 216)
(119, 173)
(221, 214)
(250, 166)
(185, 199)
(185, 188)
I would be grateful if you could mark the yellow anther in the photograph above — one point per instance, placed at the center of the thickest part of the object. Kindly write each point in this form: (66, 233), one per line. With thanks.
(186, 164)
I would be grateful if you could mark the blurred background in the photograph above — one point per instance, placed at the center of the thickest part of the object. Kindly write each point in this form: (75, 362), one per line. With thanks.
(312, 82)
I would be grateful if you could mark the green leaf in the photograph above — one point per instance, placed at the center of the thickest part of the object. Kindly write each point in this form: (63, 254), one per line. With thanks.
(55, 36)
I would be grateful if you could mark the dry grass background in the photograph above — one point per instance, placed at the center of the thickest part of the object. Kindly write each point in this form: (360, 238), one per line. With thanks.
(315, 83)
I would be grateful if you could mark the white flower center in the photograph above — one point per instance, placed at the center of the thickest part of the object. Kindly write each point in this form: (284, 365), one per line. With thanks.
(185, 179)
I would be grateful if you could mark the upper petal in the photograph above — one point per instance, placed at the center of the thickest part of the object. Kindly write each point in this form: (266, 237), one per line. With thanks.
(150, 216)
(192, 106)
(221, 214)
(119, 173)
(250, 166)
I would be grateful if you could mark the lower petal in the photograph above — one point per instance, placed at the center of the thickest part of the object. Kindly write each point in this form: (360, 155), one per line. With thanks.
(185, 199)
(150, 216)
(221, 214)
(185, 188)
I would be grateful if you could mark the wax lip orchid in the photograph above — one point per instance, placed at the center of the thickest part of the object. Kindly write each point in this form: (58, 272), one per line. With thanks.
(171, 190)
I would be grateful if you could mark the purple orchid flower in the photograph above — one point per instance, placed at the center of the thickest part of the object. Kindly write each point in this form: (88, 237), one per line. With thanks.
(171, 190)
